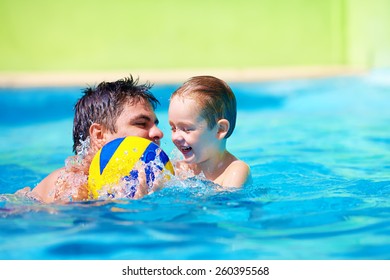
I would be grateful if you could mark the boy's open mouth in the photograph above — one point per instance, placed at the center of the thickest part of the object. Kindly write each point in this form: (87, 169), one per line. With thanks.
(185, 149)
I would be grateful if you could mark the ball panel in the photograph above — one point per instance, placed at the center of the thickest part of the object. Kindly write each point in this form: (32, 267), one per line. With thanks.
(107, 152)
(149, 153)
(169, 166)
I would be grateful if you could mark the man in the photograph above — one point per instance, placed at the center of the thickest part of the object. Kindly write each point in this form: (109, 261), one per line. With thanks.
(108, 111)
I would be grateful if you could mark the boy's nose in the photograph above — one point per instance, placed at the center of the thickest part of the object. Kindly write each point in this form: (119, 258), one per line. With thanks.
(176, 136)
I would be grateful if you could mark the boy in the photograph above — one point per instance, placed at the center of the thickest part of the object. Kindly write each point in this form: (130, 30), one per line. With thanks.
(108, 111)
(202, 115)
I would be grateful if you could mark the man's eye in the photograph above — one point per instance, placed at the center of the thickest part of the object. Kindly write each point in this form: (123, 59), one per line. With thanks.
(142, 124)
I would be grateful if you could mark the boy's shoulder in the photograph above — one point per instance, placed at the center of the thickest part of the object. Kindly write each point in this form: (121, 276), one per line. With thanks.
(237, 173)
(238, 165)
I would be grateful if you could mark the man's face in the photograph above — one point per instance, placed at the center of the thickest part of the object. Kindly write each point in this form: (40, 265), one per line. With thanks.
(137, 119)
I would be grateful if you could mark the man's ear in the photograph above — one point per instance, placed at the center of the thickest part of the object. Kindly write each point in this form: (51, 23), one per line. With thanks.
(97, 135)
(223, 128)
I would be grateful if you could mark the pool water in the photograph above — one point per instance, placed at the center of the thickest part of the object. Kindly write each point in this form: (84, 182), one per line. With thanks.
(319, 152)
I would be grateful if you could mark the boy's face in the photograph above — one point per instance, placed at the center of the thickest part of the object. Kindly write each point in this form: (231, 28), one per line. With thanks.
(190, 133)
(137, 119)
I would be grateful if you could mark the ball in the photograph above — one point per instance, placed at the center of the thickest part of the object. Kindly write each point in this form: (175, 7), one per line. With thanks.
(114, 170)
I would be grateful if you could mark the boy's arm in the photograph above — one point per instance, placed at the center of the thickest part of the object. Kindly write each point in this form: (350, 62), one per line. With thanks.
(237, 174)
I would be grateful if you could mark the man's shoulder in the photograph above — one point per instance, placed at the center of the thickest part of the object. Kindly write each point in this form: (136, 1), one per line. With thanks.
(45, 189)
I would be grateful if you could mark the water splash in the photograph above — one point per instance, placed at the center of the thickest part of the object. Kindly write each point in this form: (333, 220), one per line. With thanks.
(83, 149)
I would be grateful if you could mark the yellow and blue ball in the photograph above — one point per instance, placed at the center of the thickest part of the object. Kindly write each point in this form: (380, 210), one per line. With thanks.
(118, 164)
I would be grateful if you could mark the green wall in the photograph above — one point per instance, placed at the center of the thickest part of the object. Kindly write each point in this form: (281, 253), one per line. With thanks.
(368, 34)
(86, 35)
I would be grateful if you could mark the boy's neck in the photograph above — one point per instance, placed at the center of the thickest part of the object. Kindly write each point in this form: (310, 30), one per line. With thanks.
(216, 165)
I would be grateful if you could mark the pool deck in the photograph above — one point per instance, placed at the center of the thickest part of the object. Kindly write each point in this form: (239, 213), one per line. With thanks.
(170, 76)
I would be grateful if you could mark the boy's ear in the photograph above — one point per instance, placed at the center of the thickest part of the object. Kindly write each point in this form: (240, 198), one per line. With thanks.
(97, 135)
(223, 128)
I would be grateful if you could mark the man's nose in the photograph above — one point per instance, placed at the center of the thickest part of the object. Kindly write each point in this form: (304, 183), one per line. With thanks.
(156, 134)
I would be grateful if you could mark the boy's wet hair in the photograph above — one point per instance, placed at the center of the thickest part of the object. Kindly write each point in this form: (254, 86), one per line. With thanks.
(215, 97)
(104, 103)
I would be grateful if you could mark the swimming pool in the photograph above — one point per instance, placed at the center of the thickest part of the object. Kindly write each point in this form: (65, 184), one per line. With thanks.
(320, 157)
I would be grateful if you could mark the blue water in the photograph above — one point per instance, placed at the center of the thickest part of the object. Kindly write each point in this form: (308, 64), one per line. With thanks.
(320, 157)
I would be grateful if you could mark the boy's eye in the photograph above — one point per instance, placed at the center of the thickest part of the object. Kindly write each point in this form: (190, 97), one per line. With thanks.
(184, 129)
